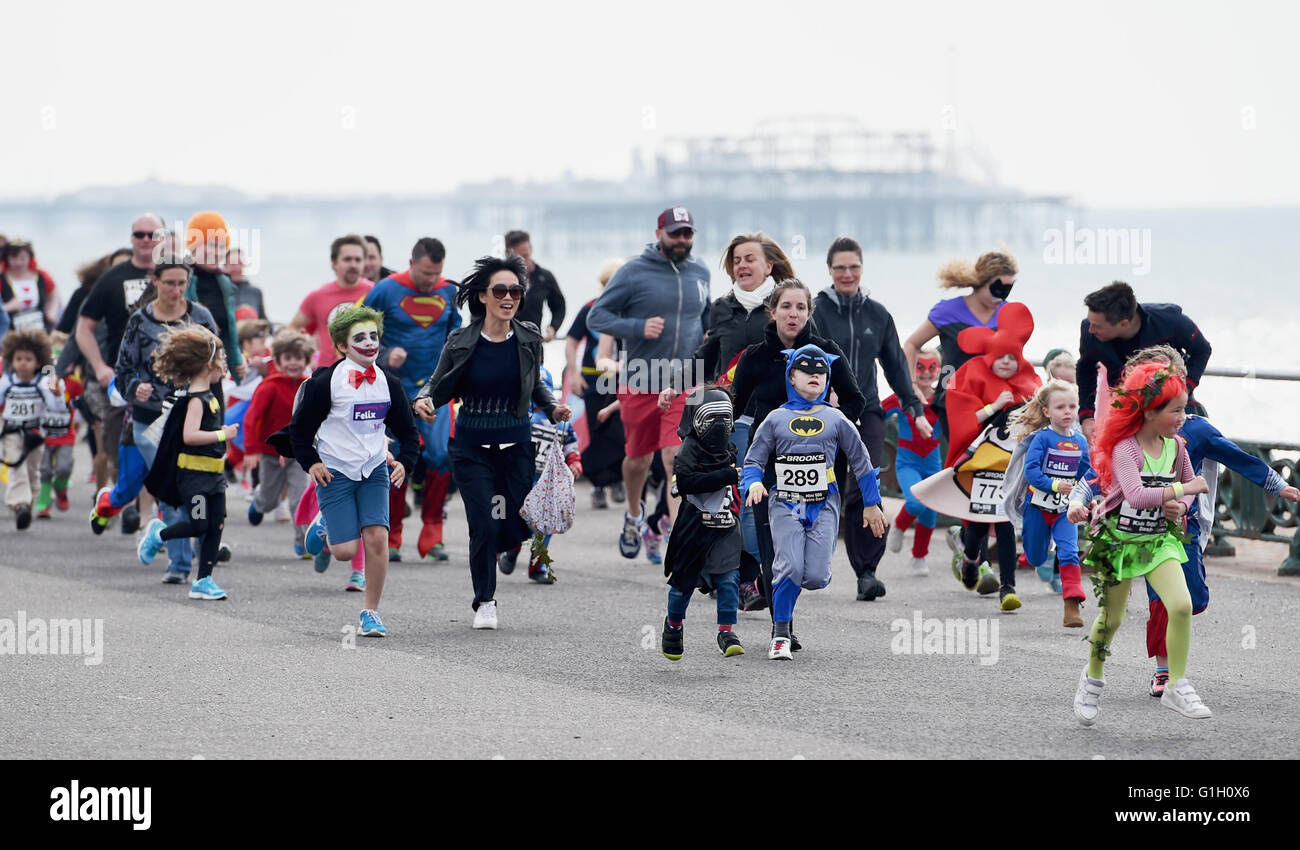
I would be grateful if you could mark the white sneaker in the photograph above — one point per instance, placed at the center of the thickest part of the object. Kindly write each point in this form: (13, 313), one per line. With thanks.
(1087, 698)
(1182, 698)
(919, 568)
(895, 539)
(780, 649)
(486, 615)
(953, 536)
(282, 512)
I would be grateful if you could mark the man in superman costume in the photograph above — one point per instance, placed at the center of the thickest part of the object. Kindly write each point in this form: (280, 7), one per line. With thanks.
(419, 313)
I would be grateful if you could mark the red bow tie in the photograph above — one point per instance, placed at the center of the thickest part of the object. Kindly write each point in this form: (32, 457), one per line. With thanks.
(356, 377)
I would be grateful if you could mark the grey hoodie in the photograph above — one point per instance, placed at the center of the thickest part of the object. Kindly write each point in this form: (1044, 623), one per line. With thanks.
(647, 286)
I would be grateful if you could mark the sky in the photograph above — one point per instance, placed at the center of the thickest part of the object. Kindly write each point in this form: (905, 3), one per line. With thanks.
(1146, 105)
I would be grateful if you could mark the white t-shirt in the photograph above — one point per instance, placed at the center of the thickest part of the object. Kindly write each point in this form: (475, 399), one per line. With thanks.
(351, 439)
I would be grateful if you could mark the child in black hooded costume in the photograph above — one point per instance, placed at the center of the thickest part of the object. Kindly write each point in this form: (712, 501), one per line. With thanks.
(704, 550)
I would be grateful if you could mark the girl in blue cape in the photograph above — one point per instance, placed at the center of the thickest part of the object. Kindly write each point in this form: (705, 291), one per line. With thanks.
(804, 434)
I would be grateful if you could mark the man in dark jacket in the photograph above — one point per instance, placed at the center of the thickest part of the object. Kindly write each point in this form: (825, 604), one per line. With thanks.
(865, 330)
(1116, 327)
(543, 288)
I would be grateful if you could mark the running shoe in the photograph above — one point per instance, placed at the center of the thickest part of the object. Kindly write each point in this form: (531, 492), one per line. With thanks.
(729, 644)
(23, 516)
(1182, 698)
(321, 560)
(654, 544)
(151, 543)
(988, 582)
(1087, 698)
(254, 515)
(175, 576)
(618, 493)
(953, 536)
(282, 513)
(1008, 600)
(300, 552)
(629, 540)
(371, 625)
(751, 598)
(957, 559)
(542, 575)
(130, 519)
(315, 538)
(895, 540)
(780, 649)
(437, 553)
(870, 588)
(795, 645)
(506, 561)
(486, 615)
(970, 574)
(1056, 584)
(672, 642)
(598, 500)
(206, 588)
(356, 581)
(1044, 571)
(429, 541)
(1159, 681)
(224, 554)
(61, 500)
(45, 514)
(1022, 563)
(919, 567)
(103, 512)
(394, 555)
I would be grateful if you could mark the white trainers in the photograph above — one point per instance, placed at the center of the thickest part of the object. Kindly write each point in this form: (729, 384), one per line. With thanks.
(895, 539)
(780, 649)
(282, 512)
(1087, 698)
(486, 615)
(919, 568)
(1182, 698)
(953, 536)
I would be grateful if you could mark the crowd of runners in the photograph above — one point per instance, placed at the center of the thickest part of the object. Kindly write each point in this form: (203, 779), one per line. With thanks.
(743, 435)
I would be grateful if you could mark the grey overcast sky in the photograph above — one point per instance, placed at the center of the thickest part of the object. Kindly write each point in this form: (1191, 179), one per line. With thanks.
(1114, 104)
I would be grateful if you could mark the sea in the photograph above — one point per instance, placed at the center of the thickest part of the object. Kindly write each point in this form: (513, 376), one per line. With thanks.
(1233, 271)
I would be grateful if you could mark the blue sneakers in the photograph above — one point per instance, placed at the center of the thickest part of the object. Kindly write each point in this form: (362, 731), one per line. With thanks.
(151, 544)
(300, 552)
(206, 588)
(371, 625)
(254, 515)
(315, 540)
(357, 581)
(1044, 571)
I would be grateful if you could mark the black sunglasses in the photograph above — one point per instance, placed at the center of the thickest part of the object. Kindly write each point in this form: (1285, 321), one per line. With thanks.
(145, 234)
(500, 290)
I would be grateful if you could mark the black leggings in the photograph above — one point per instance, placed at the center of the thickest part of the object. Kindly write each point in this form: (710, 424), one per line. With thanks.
(976, 533)
(207, 519)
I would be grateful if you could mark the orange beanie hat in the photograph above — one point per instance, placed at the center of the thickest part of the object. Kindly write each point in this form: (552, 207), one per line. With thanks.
(203, 228)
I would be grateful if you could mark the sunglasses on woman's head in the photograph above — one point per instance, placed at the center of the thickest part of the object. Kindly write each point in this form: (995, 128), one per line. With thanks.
(500, 291)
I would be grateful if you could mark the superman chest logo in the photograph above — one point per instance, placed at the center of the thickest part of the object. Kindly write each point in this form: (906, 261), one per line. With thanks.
(424, 310)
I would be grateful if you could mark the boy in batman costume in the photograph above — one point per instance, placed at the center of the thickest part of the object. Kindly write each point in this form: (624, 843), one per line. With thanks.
(704, 549)
(803, 435)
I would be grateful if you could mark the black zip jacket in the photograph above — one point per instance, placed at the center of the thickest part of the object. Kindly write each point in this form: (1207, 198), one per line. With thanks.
(445, 383)
(543, 291)
(759, 385)
(865, 329)
(732, 329)
(1161, 324)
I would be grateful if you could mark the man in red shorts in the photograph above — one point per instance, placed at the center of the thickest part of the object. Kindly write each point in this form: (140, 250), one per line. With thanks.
(657, 305)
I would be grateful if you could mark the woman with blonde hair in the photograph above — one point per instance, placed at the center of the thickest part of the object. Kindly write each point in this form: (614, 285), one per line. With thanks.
(990, 279)
(602, 460)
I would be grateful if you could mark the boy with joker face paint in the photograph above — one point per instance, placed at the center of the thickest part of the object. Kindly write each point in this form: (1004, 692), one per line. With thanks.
(338, 436)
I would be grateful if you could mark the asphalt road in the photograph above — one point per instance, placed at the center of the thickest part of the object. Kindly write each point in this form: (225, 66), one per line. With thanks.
(575, 670)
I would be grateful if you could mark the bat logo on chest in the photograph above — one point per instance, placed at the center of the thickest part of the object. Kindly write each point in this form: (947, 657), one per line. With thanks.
(806, 426)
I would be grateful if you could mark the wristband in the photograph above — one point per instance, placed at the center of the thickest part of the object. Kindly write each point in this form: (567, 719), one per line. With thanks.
(1178, 489)
(221, 436)
(988, 410)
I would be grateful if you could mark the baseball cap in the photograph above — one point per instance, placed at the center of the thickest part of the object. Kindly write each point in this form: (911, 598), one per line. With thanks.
(674, 219)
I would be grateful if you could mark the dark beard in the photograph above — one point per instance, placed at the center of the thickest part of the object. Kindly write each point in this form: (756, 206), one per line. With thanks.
(675, 254)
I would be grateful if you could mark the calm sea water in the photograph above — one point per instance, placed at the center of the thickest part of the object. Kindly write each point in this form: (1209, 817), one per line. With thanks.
(1232, 270)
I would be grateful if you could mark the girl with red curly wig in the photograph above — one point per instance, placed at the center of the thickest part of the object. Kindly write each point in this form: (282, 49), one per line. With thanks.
(1146, 475)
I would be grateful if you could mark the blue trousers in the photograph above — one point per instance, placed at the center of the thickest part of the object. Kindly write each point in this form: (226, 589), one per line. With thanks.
(740, 439)
(728, 587)
(911, 469)
(1036, 535)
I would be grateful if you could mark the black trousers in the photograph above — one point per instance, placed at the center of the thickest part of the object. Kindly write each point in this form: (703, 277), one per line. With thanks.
(864, 548)
(976, 534)
(206, 522)
(493, 483)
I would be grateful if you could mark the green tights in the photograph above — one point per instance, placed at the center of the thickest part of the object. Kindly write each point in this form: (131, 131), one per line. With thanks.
(1168, 581)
